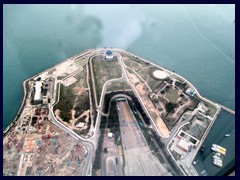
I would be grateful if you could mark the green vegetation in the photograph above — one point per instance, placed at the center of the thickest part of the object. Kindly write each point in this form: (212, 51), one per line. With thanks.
(94, 104)
(172, 95)
(193, 102)
(81, 76)
(152, 69)
(211, 109)
(81, 61)
(67, 97)
(141, 68)
(82, 104)
(105, 150)
(97, 161)
(83, 132)
(152, 81)
(170, 107)
(118, 86)
(65, 104)
(104, 71)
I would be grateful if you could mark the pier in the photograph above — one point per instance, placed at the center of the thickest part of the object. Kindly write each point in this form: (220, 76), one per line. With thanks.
(227, 109)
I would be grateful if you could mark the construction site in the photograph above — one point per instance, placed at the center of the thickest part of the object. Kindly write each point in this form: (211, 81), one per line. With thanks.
(79, 110)
(33, 145)
(47, 152)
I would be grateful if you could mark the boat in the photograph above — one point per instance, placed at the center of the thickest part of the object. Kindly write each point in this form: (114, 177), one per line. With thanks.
(195, 162)
(218, 150)
(219, 147)
(217, 159)
(202, 148)
(227, 135)
(217, 155)
(217, 162)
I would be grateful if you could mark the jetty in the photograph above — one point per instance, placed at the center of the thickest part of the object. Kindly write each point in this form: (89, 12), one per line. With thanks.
(227, 109)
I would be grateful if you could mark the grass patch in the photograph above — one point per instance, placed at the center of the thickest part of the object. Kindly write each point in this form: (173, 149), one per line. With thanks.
(81, 77)
(81, 61)
(172, 95)
(104, 71)
(82, 104)
(211, 109)
(118, 86)
(66, 101)
(141, 68)
(97, 161)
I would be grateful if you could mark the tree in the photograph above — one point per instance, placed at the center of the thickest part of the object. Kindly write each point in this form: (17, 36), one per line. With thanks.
(105, 150)
(170, 107)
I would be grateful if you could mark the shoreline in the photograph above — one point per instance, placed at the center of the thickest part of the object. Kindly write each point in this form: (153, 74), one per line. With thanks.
(11, 124)
(187, 81)
(217, 105)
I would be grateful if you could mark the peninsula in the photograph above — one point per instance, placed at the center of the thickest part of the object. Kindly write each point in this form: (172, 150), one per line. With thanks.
(107, 112)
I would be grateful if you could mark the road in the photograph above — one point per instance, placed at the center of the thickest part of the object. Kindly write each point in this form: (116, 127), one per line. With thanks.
(135, 145)
(87, 143)
(138, 96)
(91, 142)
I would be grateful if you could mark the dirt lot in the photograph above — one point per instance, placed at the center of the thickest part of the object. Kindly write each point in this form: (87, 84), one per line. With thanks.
(152, 110)
(53, 153)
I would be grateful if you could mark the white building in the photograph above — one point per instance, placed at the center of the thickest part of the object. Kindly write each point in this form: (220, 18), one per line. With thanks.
(80, 125)
(184, 145)
(38, 89)
(110, 135)
(109, 56)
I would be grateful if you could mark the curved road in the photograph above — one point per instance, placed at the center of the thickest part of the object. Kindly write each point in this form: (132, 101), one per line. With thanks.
(91, 143)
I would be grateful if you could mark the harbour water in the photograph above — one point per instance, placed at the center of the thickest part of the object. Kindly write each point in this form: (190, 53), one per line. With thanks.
(196, 41)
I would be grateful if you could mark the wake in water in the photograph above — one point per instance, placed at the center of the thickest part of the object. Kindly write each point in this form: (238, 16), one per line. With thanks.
(208, 40)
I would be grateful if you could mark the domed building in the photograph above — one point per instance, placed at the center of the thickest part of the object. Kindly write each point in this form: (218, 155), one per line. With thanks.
(109, 55)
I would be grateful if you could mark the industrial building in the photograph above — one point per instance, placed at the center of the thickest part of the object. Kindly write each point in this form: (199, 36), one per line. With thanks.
(38, 89)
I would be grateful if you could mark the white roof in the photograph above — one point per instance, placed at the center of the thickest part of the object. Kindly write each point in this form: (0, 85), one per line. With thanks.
(37, 95)
(110, 134)
(184, 144)
(109, 55)
(80, 125)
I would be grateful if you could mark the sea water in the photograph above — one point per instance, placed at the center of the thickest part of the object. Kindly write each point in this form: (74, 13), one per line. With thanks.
(196, 41)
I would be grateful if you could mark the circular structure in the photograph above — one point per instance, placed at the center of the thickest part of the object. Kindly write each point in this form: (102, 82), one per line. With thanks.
(159, 74)
(109, 52)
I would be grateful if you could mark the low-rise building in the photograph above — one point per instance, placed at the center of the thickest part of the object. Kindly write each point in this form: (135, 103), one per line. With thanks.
(38, 89)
